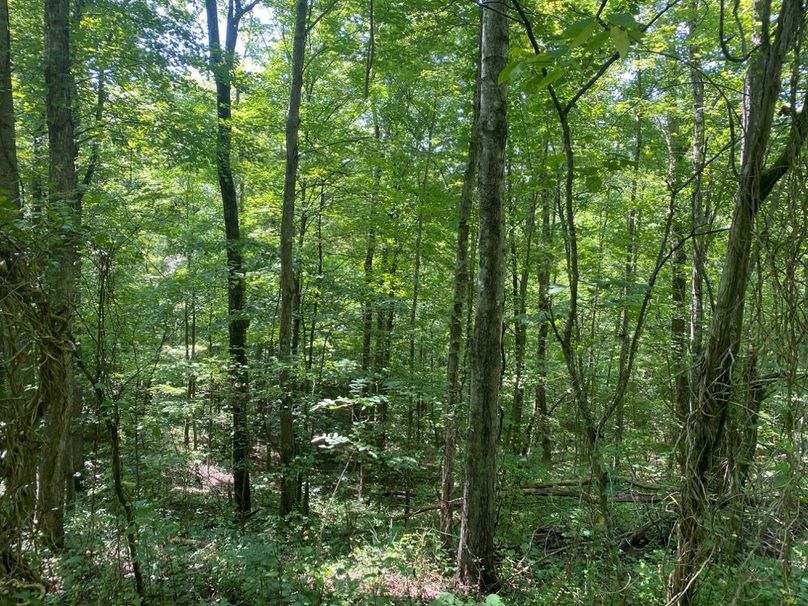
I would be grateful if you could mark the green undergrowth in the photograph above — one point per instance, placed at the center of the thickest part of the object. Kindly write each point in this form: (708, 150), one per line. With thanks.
(346, 552)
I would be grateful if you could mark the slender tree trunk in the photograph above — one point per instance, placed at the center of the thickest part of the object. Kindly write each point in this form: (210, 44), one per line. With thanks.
(297, 301)
(318, 292)
(476, 563)
(461, 281)
(370, 252)
(698, 215)
(416, 288)
(289, 493)
(57, 384)
(516, 439)
(706, 423)
(539, 422)
(629, 271)
(679, 322)
(222, 61)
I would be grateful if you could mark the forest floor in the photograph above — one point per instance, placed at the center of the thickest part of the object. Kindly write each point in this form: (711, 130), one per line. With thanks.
(384, 549)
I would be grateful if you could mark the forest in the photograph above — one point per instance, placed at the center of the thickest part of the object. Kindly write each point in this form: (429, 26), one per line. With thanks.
(403, 302)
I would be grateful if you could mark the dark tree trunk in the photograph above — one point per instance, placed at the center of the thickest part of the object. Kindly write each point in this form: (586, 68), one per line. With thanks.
(461, 281)
(289, 483)
(56, 362)
(520, 282)
(476, 563)
(9, 177)
(222, 61)
(17, 409)
(539, 428)
(704, 431)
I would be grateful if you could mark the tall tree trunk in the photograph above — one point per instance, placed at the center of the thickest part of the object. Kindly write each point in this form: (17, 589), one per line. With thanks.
(461, 281)
(416, 287)
(18, 412)
(539, 428)
(222, 62)
(706, 423)
(289, 496)
(476, 563)
(9, 177)
(698, 215)
(629, 271)
(370, 252)
(56, 363)
(515, 438)
(297, 302)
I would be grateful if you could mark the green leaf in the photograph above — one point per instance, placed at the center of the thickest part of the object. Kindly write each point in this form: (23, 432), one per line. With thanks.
(584, 35)
(493, 600)
(508, 71)
(597, 41)
(576, 28)
(544, 59)
(620, 39)
(626, 20)
(593, 183)
(551, 77)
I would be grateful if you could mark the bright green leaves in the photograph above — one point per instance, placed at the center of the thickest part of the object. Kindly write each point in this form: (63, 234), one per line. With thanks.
(574, 46)
(624, 28)
(552, 77)
(620, 38)
(625, 20)
(522, 62)
(581, 31)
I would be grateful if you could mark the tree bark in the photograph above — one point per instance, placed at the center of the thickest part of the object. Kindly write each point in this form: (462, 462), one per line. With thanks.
(520, 283)
(461, 281)
(56, 361)
(629, 272)
(289, 493)
(9, 177)
(476, 563)
(18, 410)
(706, 423)
(222, 62)
(539, 427)
(698, 215)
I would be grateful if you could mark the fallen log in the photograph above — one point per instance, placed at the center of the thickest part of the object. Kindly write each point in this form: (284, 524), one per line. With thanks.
(582, 495)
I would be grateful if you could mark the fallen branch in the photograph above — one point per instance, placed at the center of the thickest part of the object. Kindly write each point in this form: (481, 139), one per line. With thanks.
(454, 503)
(626, 497)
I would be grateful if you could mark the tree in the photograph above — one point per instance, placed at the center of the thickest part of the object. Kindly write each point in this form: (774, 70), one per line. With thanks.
(706, 422)
(9, 177)
(476, 564)
(57, 383)
(222, 64)
(289, 483)
(461, 281)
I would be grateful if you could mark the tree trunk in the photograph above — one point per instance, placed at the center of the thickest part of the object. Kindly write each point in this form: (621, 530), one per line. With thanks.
(706, 423)
(56, 362)
(18, 410)
(222, 62)
(476, 561)
(461, 280)
(515, 438)
(9, 177)
(539, 427)
(289, 493)
(629, 271)
(698, 215)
